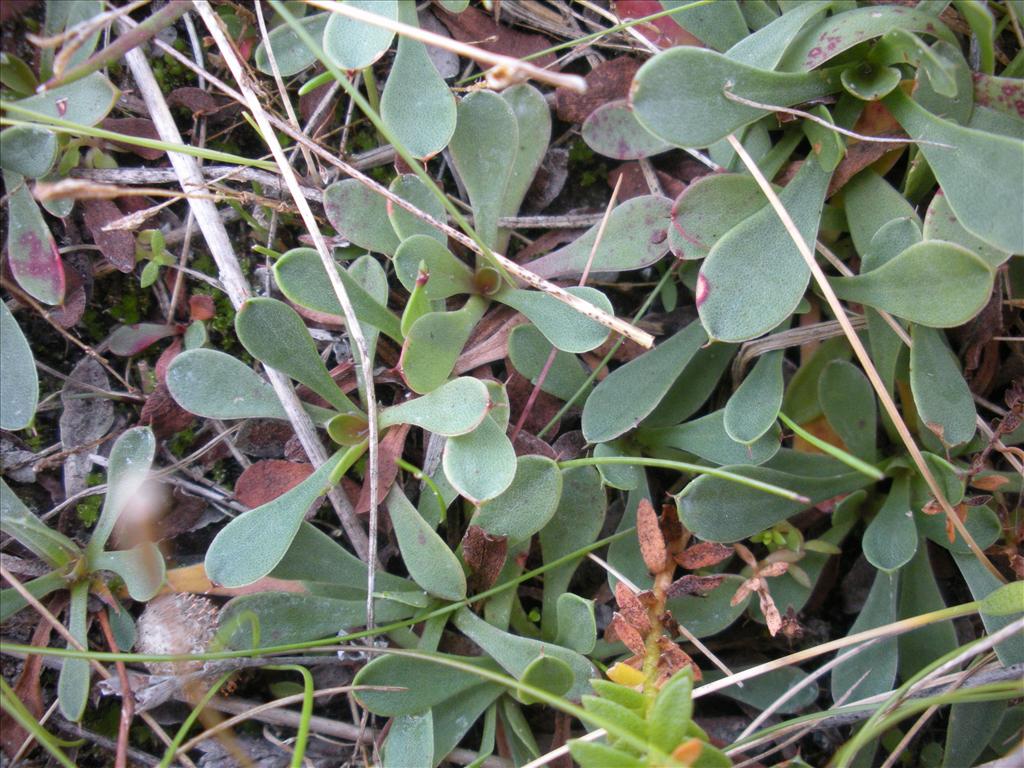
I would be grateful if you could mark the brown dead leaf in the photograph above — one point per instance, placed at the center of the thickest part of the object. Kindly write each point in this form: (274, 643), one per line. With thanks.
(195, 100)
(265, 480)
(118, 246)
(485, 555)
(620, 629)
(27, 690)
(631, 609)
(663, 32)
(139, 127)
(478, 28)
(542, 410)
(390, 448)
(704, 554)
(608, 81)
(163, 414)
(691, 584)
(771, 613)
(201, 307)
(652, 543)
(673, 659)
(859, 155)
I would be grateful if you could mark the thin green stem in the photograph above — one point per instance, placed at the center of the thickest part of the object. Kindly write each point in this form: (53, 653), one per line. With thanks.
(682, 466)
(837, 453)
(179, 737)
(13, 706)
(302, 736)
(419, 474)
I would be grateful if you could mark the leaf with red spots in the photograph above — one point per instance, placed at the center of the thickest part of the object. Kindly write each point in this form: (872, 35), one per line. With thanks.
(32, 253)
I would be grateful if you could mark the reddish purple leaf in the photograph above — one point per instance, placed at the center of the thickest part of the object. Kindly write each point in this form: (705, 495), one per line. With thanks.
(129, 340)
(32, 253)
(118, 246)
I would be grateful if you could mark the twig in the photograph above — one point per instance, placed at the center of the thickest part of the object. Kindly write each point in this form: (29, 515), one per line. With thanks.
(505, 67)
(862, 354)
(234, 282)
(127, 697)
(355, 332)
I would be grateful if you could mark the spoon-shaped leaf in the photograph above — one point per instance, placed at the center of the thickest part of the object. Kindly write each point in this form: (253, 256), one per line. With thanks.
(46, 543)
(832, 36)
(73, 683)
(563, 326)
(634, 238)
(216, 385)
(848, 400)
(27, 150)
(765, 47)
(890, 540)
(872, 202)
(427, 558)
(576, 522)
(679, 95)
(533, 123)
(982, 584)
(693, 386)
(290, 53)
(447, 275)
(483, 150)
(127, 469)
(435, 342)
(940, 223)
(527, 504)
(360, 215)
(754, 406)
(932, 283)
(979, 172)
(251, 545)
(867, 674)
(454, 408)
(19, 382)
(708, 208)
(754, 277)
(300, 275)
(11, 600)
(706, 437)
(409, 187)
(32, 254)
(620, 402)
(515, 654)
(416, 104)
(481, 464)
(274, 334)
(612, 130)
(85, 101)
(352, 44)
(944, 401)
(427, 682)
(720, 510)
(529, 352)
(141, 568)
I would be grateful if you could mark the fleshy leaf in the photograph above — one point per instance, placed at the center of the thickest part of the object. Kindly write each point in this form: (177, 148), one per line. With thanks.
(674, 93)
(848, 402)
(871, 202)
(27, 150)
(563, 326)
(754, 276)
(482, 464)
(754, 406)
(933, 283)
(416, 104)
(515, 654)
(979, 172)
(944, 402)
(274, 334)
(46, 543)
(127, 469)
(455, 408)
(890, 540)
(940, 223)
(708, 208)
(533, 123)
(447, 276)
(720, 510)
(360, 215)
(409, 187)
(86, 101)
(300, 275)
(527, 504)
(141, 568)
(352, 44)
(251, 545)
(634, 238)
(549, 674)
(706, 437)
(73, 683)
(867, 674)
(577, 628)
(483, 151)
(427, 682)
(620, 402)
(19, 382)
(290, 53)
(612, 130)
(435, 342)
(427, 558)
(32, 254)
(982, 584)
(529, 351)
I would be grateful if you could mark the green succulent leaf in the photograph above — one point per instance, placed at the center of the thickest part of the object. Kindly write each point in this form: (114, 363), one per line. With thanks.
(707, 438)
(566, 328)
(533, 123)
(73, 683)
(848, 401)
(18, 521)
(290, 53)
(754, 406)
(127, 470)
(529, 352)
(708, 208)
(141, 568)
(435, 342)
(86, 101)
(27, 150)
(447, 276)
(612, 130)
(352, 44)
(482, 464)
(19, 382)
(940, 223)
(527, 504)
(428, 683)
(673, 707)
(890, 540)
(872, 672)
(944, 402)
(455, 408)
(411, 188)
(429, 561)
